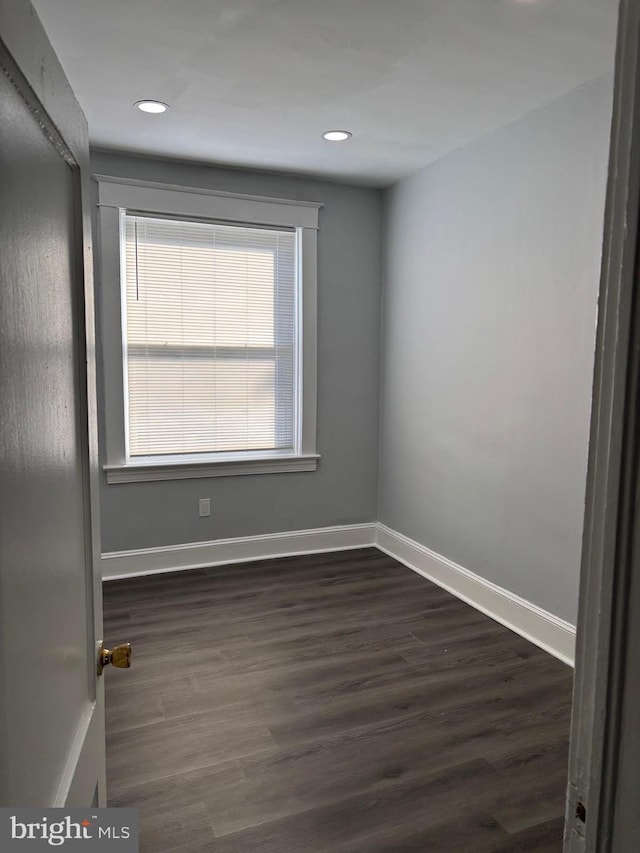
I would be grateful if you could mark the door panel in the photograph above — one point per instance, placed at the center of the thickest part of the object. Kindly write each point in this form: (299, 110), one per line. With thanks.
(51, 715)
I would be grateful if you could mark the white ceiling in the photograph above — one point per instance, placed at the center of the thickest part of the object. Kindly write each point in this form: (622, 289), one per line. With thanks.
(255, 82)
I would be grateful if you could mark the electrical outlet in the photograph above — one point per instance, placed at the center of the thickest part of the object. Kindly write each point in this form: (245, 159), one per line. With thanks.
(204, 507)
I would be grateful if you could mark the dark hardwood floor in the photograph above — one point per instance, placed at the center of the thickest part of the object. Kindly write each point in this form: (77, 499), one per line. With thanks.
(335, 703)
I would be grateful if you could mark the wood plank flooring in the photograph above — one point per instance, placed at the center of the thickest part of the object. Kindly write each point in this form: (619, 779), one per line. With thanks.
(334, 703)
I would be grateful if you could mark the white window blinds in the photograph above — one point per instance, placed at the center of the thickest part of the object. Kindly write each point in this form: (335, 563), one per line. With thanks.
(210, 337)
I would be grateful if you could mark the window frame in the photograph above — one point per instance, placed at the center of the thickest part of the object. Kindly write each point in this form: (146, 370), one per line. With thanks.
(144, 197)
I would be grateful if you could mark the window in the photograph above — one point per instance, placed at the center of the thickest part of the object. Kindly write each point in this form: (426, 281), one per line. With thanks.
(210, 337)
(208, 306)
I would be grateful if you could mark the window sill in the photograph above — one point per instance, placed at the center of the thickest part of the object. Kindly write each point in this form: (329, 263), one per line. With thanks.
(144, 472)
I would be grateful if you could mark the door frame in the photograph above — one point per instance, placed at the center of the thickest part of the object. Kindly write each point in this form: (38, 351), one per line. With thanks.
(28, 59)
(612, 520)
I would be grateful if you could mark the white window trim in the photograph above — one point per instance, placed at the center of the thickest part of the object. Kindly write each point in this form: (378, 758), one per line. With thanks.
(115, 194)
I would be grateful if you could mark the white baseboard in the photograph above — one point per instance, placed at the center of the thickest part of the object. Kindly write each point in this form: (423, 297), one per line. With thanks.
(196, 555)
(547, 631)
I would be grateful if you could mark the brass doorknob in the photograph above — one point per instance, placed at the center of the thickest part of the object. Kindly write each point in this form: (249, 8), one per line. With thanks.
(119, 656)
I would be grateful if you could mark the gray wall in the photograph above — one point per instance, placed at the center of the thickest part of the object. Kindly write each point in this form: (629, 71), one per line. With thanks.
(344, 488)
(492, 265)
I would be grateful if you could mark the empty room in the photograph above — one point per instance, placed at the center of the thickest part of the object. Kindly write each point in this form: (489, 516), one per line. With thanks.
(302, 415)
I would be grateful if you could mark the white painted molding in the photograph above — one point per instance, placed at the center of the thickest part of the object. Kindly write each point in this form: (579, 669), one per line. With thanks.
(547, 631)
(142, 473)
(153, 197)
(196, 555)
(540, 627)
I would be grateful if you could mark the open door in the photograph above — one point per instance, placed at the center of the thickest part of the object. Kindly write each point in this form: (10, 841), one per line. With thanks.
(51, 699)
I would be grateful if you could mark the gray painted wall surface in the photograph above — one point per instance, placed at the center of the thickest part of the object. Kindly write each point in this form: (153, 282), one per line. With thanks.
(492, 267)
(344, 488)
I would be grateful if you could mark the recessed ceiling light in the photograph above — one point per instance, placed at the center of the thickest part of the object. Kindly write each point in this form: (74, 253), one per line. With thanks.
(336, 135)
(152, 106)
